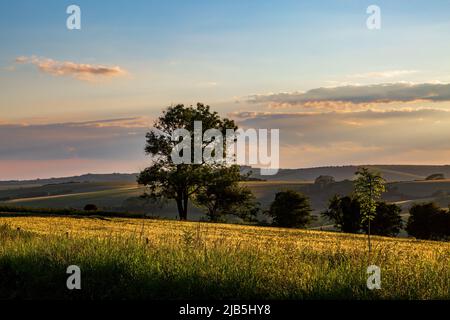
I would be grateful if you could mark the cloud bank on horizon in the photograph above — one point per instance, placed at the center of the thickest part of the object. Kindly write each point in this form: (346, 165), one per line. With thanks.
(361, 94)
(60, 149)
(308, 139)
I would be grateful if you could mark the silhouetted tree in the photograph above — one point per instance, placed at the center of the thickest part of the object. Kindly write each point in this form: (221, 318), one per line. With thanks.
(345, 213)
(290, 209)
(387, 220)
(90, 207)
(428, 221)
(180, 182)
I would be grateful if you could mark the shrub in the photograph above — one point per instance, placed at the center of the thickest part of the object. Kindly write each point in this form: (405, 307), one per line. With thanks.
(387, 220)
(90, 207)
(436, 176)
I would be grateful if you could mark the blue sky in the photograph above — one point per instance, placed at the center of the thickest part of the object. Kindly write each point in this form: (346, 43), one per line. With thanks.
(218, 52)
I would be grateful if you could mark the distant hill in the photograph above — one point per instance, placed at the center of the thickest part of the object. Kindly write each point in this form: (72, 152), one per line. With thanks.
(389, 172)
(109, 177)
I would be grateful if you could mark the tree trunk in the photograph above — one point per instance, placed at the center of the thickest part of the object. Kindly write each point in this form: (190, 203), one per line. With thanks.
(180, 207)
(185, 205)
(370, 217)
(368, 238)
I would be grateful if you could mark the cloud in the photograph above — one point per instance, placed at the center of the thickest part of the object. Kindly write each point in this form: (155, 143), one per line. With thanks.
(358, 95)
(383, 74)
(307, 139)
(107, 140)
(207, 84)
(132, 122)
(79, 71)
(310, 139)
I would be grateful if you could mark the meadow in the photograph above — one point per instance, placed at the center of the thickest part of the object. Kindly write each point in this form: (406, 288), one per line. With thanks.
(124, 258)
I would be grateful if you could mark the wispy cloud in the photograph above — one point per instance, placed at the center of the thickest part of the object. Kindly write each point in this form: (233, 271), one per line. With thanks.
(79, 71)
(360, 94)
(383, 74)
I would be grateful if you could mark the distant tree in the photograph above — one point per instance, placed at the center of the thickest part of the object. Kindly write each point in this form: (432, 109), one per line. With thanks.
(290, 209)
(223, 195)
(164, 178)
(324, 181)
(369, 186)
(436, 176)
(428, 221)
(345, 213)
(90, 207)
(387, 220)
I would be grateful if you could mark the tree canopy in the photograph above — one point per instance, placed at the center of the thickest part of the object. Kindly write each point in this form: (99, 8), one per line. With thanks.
(345, 212)
(290, 209)
(428, 221)
(179, 181)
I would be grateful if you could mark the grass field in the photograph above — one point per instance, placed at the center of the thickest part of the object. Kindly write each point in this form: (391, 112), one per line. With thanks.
(163, 259)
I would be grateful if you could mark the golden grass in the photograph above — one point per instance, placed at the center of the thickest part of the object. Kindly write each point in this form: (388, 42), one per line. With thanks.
(281, 263)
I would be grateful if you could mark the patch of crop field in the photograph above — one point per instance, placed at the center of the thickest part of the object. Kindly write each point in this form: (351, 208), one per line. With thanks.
(55, 190)
(164, 259)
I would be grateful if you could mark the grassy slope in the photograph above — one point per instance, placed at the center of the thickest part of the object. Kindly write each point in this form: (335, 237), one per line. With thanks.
(137, 258)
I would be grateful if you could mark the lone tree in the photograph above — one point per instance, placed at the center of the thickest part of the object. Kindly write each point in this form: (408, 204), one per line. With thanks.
(179, 181)
(290, 209)
(369, 186)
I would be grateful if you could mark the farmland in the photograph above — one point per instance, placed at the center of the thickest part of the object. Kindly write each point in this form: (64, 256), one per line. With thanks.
(166, 259)
(124, 196)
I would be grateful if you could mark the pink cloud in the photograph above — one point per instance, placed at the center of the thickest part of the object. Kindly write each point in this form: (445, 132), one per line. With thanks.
(79, 71)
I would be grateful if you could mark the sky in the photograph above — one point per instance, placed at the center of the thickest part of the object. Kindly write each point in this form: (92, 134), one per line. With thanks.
(78, 101)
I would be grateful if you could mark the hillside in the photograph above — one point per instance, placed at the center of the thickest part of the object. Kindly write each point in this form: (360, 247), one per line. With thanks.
(109, 177)
(389, 172)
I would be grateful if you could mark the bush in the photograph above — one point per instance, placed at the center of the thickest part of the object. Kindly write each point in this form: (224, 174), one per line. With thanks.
(290, 209)
(345, 212)
(324, 181)
(436, 176)
(428, 221)
(387, 220)
(90, 207)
